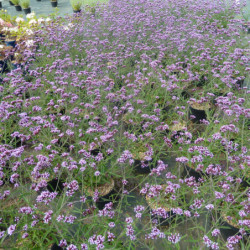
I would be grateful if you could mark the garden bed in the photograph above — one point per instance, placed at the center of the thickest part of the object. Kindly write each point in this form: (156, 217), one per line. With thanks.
(126, 128)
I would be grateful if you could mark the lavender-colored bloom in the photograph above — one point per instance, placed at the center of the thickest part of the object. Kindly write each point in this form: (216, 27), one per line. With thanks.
(182, 159)
(97, 240)
(69, 219)
(215, 232)
(46, 197)
(111, 236)
(26, 210)
(219, 195)
(155, 234)
(111, 224)
(209, 206)
(2, 234)
(25, 235)
(47, 216)
(125, 156)
(174, 238)
(71, 247)
(129, 220)
(84, 246)
(11, 229)
(63, 243)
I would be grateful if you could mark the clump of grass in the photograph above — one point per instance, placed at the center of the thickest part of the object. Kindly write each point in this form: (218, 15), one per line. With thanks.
(16, 2)
(76, 4)
(93, 3)
(25, 4)
(90, 5)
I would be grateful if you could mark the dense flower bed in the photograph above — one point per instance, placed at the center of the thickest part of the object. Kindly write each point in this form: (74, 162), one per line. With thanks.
(128, 130)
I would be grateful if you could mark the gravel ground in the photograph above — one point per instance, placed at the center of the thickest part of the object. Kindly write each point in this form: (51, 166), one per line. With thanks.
(40, 8)
(44, 7)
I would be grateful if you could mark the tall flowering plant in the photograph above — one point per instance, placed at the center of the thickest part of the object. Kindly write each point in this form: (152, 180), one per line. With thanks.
(158, 64)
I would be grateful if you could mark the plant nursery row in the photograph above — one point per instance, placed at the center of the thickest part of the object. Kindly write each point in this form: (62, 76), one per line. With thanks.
(77, 5)
(126, 126)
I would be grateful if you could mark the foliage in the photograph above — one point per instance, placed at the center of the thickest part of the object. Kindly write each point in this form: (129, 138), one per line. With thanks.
(25, 4)
(93, 3)
(16, 2)
(76, 4)
(5, 16)
(155, 84)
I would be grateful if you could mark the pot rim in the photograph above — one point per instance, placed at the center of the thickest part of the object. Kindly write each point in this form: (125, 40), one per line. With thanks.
(103, 189)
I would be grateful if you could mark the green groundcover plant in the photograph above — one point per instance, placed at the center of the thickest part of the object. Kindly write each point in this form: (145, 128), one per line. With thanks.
(25, 4)
(16, 2)
(160, 86)
(76, 4)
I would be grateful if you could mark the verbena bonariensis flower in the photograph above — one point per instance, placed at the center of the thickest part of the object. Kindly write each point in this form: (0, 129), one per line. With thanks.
(136, 62)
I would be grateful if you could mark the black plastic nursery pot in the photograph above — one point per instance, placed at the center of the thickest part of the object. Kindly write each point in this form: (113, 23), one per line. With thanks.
(217, 94)
(228, 230)
(60, 110)
(164, 222)
(140, 169)
(12, 141)
(95, 151)
(1, 5)
(129, 126)
(175, 136)
(202, 81)
(18, 8)
(175, 72)
(248, 123)
(107, 194)
(11, 43)
(240, 83)
(184, 65)
(28, 78)
(188, 172)
(2, 37)
(246, 28)
(55, 246)
(6, 178)
(15, 65)
(3, 66)
(167, 108)
(245, 182)
(199, 114)
(177, 130)
(64, 146)
(27, 11)
(11, 3)
(26, 95)
(54, 4)
(119, 104)
(103, 200)
(185, 94)
(199, 111)
(55, 185)
(76, 11)
(163, 103)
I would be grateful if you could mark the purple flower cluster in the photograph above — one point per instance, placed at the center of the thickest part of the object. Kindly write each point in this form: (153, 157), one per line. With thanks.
(162, 80)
